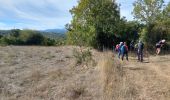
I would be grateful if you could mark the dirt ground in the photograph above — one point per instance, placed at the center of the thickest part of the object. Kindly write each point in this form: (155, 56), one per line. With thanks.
(151, 79)
(51, 73)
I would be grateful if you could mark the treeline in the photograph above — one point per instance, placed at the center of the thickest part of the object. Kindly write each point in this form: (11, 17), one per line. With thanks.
(98, 23)
(27, 37)
(155, 15)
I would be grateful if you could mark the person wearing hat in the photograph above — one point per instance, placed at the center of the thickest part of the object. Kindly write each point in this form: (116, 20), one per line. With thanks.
(159, 45)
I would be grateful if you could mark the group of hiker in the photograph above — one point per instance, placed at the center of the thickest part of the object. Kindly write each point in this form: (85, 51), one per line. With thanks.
(122, 50)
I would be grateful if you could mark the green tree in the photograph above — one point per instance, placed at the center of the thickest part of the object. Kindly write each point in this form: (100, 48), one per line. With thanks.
(148, 12)
(30, 37)
(94, 23)
(15, 32)
(163, 27)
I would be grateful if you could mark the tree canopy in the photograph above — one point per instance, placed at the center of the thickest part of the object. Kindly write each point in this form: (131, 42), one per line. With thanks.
(155, 15)
(147, 10)
(94, 22)
(98, 23)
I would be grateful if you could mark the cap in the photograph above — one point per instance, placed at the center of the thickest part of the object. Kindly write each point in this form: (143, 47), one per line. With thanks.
(163, 41)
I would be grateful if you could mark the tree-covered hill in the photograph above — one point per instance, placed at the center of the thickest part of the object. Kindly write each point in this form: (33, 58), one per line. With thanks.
(30, 37)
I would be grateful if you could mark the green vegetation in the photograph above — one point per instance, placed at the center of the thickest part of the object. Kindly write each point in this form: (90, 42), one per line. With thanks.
(94, 23)
(97, 23)
(82, 56)
(156, 19)
(28, 37)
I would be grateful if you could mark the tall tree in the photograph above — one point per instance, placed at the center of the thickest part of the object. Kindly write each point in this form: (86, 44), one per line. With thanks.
(163, 23)
(94, 22)
(147, 11)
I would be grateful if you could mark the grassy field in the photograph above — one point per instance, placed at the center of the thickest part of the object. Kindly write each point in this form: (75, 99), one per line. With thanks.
(51, 73)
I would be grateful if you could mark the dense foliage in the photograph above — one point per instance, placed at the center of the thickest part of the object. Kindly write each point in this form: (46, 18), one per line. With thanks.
(94, 23)
(98, 23)
(27, 37)
(156, 19)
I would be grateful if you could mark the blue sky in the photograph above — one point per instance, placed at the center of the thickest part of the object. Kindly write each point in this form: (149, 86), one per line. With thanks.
(44, 14)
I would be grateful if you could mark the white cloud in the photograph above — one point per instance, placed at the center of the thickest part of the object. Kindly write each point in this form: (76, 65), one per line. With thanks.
(43, 14)
(38, 14)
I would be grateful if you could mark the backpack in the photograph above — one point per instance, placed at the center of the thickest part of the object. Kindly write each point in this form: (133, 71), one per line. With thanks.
(124, 49)
(117, 47)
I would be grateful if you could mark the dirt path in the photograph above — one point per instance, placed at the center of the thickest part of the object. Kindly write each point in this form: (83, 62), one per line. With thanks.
(150, 79)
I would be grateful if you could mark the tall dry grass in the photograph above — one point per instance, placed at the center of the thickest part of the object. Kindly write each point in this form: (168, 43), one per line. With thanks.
(111, 77)
(116, 85)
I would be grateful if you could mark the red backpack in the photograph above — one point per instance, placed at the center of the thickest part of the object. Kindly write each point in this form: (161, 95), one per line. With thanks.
(117, 47)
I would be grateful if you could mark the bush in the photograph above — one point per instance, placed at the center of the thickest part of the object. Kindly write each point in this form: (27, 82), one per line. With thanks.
(30, 37)
(35, 39)
(82, 56)
(49, 42)
(9, 40)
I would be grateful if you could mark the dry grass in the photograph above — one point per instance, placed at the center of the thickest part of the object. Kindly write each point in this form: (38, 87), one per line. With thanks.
(49, 73)
(133, 81)
(111, 78)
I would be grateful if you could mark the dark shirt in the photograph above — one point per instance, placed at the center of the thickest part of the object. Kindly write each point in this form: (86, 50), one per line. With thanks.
(140, 46)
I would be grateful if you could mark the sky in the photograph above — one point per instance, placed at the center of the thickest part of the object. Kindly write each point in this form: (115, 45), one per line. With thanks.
(44, 14)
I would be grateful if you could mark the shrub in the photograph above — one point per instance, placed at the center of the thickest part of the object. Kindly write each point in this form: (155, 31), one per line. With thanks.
(30, 37)
(82, 56)
(49, 42)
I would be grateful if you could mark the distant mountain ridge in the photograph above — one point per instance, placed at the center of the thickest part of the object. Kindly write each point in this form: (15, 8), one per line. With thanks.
(56, 30)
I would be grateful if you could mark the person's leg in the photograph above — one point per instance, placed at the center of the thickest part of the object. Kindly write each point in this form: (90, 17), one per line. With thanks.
(158, 51)
(119, 54)
(123, 54)
(138, 53)
(141, 56)
(127, 56)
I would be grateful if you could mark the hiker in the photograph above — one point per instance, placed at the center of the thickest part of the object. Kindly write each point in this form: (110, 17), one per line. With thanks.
(132, 45)
(124, 51)
(113, 46)
(140, 51)
(136, 48)
(159, 45)
(119, 49)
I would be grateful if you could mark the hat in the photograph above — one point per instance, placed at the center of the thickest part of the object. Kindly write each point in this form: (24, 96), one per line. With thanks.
(163, 41)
